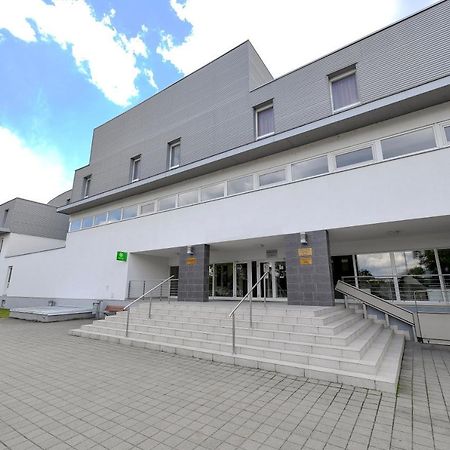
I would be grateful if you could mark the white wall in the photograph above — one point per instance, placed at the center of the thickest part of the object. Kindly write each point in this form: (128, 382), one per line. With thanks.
(407, 188)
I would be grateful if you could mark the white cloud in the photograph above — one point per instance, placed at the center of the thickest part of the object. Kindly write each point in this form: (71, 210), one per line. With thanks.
(28, 174)
(150, 78)
(286, 33)
(108, 58)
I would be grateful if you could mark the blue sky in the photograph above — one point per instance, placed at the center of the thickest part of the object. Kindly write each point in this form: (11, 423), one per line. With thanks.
(68, 66)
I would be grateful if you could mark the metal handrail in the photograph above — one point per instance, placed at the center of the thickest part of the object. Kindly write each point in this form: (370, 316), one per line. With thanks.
(127, 308)
(250, 295)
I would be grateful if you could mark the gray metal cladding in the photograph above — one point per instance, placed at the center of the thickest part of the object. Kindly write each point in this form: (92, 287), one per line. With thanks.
(211, 110)
(35, 219)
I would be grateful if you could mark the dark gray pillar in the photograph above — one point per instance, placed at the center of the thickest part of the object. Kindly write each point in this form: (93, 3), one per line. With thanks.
(193, 284)
(308, 269)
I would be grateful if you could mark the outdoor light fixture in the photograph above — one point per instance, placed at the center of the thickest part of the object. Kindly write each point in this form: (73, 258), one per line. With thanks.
(190, 250)
(303, 239)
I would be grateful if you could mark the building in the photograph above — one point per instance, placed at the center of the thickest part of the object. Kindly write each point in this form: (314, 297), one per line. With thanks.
(337, 169)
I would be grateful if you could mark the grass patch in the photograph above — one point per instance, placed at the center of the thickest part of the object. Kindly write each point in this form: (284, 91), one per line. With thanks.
(4, 312)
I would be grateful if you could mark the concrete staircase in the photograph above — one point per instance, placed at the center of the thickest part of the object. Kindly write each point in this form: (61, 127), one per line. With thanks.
(328, 343)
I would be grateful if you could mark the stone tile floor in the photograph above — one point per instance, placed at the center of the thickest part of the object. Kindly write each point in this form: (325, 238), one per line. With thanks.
(58, 391)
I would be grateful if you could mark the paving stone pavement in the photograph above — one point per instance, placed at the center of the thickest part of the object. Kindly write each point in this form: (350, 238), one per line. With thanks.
(59, 391)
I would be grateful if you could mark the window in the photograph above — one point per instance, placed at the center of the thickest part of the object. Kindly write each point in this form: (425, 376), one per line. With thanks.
(239, 185)
(188, 198)
(148, 208)
(344, 91)
(264, 121)
(277, 176)
(174, 155)
(8, 276)
(354, 157)
(87, 222)
(75, 225)
(86, 185)
(167, 203)
(1, 245)
(135, 168)
(115, 215)
(130, 212)
(310, 168)
(212, 192)
(447, 133)
(411, 142)
(5, 217)
(100, 219)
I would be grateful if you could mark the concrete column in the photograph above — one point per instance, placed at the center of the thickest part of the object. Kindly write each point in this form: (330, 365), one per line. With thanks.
(308, 269)
(193, 284)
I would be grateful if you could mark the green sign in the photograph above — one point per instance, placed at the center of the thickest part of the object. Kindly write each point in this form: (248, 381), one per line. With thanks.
(122, 256)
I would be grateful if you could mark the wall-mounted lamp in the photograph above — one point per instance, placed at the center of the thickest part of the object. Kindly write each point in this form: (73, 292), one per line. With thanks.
(303, 239)
(190, 250)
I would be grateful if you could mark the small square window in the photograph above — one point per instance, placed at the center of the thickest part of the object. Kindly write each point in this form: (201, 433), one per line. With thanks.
(75, 225)
(100, 219)
(129, 212)
(115, 215)
(212, 192)
(344, 90)
(167, 203)
(86, 186)
(174, 155)
(239, 185)
(87, 222)
(135, 168)
(188, 198)
(264, 121)
(148, 208)
(275, 177)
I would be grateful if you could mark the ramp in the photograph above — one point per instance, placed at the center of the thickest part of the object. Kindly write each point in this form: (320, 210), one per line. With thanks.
(51, 313)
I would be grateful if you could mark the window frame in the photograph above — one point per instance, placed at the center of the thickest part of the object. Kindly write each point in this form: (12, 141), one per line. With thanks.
(134, 168)
(410, 131)
(230, 180)
(212, 185)
(301, 161)
(269, 171)
(86, 186)
(257, 109)
(190, 191)
(173, 145)
(351, 150)
(340, 75)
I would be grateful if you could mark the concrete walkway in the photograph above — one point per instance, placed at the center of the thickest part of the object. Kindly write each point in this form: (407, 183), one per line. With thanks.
(58, 391)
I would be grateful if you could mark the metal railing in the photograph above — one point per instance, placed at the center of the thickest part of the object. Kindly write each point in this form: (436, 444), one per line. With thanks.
(434, 288)
(136, 288)
(249, 295)
(145, 294)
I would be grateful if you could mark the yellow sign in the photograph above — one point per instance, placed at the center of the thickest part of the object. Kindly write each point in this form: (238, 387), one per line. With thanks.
(191, 261)
(305, 251)
(306, 260)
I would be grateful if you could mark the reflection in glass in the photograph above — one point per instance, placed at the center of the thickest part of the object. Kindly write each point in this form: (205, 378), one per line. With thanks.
(223, 280)
(100, 219)
(87, 222)
(447, 133)
(167, 203)
(129, 212)
(212, 192)
(268, 281)
(355, 157)
(414, 141)
(187, 198)
(241, 279)
(115, 215)
(277, 176)
(310, 168)
(280, 279)
(374, 264)
(239, 185)
(75, 225)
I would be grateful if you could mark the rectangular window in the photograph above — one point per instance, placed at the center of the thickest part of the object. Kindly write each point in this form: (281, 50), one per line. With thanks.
(129, 212)
(115, 215)
(8, 276)
(223, 280)
(264, 120)
(174, 155)
(212, 192)
(411, 142)
(87, 222)
(5, 217)
(355, 157)
(75, 225)
(1, 245)
(86, 186)
(243, 184)
(344, 91)
(148, 208)
(188, 198)
(447, 133)
(277, 176)
(167, 203)
(135, 168)
(100, 219)
(310, 168)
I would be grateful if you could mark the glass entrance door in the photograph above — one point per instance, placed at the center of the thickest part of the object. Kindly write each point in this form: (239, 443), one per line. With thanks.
(276, 285)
